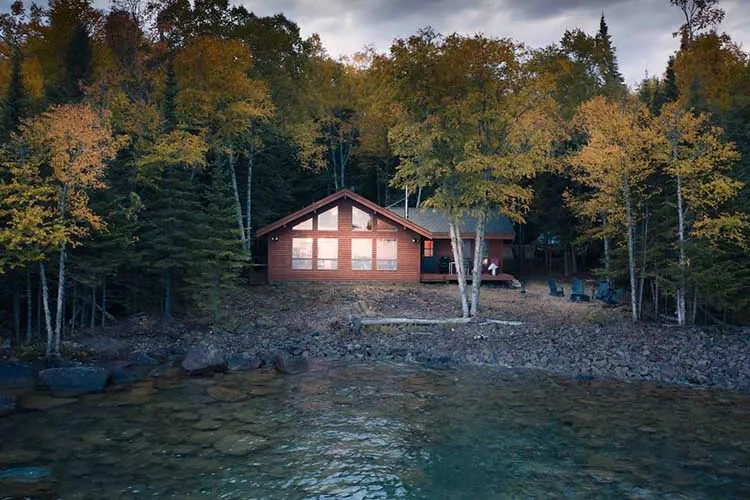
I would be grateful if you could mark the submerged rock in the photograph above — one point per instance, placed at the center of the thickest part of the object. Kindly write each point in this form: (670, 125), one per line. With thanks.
(74, 380)
(7, 404)
(290, 365)
(25, 482)
(16, 376)
(240, 444)
(204, 358)
(243, 362)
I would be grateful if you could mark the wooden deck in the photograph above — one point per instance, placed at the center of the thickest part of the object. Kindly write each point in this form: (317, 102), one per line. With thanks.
(451, 278)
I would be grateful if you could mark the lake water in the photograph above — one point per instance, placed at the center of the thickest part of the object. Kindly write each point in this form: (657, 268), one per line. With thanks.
(390, 431)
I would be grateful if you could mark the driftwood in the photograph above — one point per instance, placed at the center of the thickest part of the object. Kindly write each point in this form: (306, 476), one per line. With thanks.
(355, 323)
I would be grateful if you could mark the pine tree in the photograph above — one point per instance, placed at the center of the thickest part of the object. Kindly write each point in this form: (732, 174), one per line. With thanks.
(14, 104)
(218, 257)
(612, 80)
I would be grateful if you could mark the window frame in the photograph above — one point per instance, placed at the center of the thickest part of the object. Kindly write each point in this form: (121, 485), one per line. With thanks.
(334, 209)
(297, 227)
(431, 248)
(361, 259)
(392, 263)
(318, 258)
(297, 260)
(370, 221)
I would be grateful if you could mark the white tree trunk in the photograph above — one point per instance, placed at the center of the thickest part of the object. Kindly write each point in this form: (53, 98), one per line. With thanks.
(631, 246)
(458, 258)
(606, 248)
(47, 314)
(237, 204)
(476, 277)
(60, 300)
(643, 265)
(681, 319)
(248, 203)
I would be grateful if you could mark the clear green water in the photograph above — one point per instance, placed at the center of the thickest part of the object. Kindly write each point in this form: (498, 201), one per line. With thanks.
(391, 431)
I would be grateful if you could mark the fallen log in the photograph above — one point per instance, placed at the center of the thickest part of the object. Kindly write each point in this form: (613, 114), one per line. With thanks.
(355, 323)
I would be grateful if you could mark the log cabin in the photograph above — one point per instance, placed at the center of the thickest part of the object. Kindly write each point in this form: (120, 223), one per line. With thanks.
(345, 237)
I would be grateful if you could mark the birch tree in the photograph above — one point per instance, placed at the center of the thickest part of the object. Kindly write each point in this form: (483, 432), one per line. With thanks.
(615, 162)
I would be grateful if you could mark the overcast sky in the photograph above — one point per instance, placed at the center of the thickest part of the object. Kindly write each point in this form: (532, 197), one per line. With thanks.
(641, 29)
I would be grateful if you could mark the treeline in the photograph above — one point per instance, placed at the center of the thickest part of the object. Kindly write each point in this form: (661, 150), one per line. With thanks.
(142, 146)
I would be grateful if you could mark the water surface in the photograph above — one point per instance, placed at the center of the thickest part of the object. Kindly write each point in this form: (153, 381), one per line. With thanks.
(391, 431)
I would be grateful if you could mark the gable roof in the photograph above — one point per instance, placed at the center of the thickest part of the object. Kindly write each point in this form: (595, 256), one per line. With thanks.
(345, 193)
(437, 222)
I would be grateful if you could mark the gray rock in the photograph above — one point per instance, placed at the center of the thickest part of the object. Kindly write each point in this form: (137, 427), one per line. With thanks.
(74, 380)
(440, 363)
(290, 365)
(16, 376)
(7, 404)
(141, 358)
(204, 358)
(126, 375)
(26, 482)
(243, 362)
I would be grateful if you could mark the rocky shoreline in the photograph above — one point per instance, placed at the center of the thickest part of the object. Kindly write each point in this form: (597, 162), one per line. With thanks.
(690, 357)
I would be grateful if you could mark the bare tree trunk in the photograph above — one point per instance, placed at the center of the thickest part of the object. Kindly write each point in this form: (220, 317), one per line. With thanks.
(249, 198)
(29, 310)
(457, 247)
(695, 304)
(406, 202)
(631, 246)
(566, 259)
(419, 196)
(643, 264)
(476, 277)
(681, 319)
(236, 193)
(47, 314)
(16, 308)
(573, 259)
(104, 298)
(60, 299)
(74, 315)
(93, 307)
(606, 248)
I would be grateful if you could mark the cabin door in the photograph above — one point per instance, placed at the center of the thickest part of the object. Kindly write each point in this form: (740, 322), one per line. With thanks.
(429, 261)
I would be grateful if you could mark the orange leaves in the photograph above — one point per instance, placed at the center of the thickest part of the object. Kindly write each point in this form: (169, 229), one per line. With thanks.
(215, 91)
(59, 157)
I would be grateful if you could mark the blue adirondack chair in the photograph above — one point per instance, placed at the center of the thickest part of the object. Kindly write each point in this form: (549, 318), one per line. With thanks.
(554, 290)
(614, 298)
(578, 291)
(602, 291)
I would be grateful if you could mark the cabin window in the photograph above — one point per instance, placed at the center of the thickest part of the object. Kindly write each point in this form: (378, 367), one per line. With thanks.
(329, 220)
(302, 250)
(362, 254)
(429, 248)
(305, 225)
(467, 250)
(387, 258)
(328, 254)
(383, 225)
(361, 220)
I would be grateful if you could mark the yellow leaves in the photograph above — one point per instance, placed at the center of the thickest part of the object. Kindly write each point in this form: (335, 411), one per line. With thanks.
(215, 91)
(60, 156)
(175, 148)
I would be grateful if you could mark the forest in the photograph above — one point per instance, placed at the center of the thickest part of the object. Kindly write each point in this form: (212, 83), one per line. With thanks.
(144, 144)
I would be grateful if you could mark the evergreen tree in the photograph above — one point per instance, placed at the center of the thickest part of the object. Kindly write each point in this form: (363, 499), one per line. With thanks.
(14, 104)
(612, 80)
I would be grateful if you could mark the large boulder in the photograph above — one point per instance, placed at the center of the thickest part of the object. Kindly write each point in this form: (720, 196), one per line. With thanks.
(26, 482)
(243, 362)
(203, 359)
(289, 364)
(74, 380)
(16, 376)
(141, 358)
(7, 404)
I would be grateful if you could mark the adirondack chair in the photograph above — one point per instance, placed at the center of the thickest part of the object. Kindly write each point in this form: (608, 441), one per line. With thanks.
(602, 291)
(554, 290)
(614, 298)
(578, 291)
